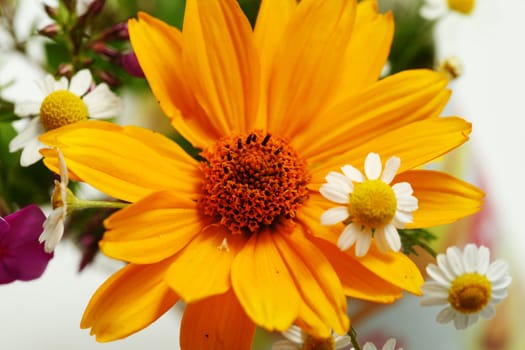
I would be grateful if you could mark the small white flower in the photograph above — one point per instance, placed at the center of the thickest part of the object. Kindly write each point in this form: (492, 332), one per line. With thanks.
(434, 9)
(467, 283)
(61, 102)
(297, 339)
(389, 345)
(371, 206)
(54, 224)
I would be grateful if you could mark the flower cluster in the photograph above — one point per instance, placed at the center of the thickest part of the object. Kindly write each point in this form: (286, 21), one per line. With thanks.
(272, 206)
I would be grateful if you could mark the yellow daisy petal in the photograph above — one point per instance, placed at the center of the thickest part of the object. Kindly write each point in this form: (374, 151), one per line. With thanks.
(128, 301)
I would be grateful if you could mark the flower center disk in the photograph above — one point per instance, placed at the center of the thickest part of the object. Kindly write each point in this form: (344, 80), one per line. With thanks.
(61, 108)
(469, 293)
(372, 203)
(462, 6)
(252, 181)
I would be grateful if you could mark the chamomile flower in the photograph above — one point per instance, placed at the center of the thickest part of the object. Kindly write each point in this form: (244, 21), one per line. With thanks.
(389, 345)
(297, 339)
(54, 224)
(434, 9)
(60, 103)
(467, 283)
(372, 208)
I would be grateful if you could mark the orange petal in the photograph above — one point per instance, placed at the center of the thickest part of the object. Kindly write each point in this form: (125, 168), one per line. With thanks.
(415, 144)
(151, 229)
(222, 64)
(263, 284)
(124, 162)
(272, 19)
(216, 323)
(395, 268)
(158, 47)
(388, 105)
(203, 267)
(442, 198)
(307, 64)
(316, 280)
(366, 57)
(128, 301)
(358, 282)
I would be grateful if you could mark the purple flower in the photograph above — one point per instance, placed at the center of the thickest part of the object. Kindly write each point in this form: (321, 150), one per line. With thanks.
(131, 65)
(22, 257)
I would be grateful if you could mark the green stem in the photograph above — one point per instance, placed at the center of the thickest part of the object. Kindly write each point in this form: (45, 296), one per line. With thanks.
(353, 339)
(85, 204)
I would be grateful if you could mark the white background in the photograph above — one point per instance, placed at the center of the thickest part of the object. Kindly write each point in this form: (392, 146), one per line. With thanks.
(45, 314)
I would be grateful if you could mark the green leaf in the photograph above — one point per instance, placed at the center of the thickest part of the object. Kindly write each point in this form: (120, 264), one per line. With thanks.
(418, 237)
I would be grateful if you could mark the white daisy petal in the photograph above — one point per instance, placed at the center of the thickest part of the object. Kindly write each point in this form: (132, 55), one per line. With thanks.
(334, 215)
(294, 334)
(488, 312)
(348, 237)
(342, 341)
(27, 108)
(30, 155)
(81, 82)
(455, 261)
(340, 180)
(409, 203)
(483, 260)
(102, 103)
(47, 85)
(373, 166)
(501, 283)
(392, 237)
(470, 258)
(29, 133)
(391, 168)
(497, 269)
(471, 319)
(390, 344)
(433, 10)
(53, 230)
(381, 241)
(334, 193)
(401, 218)
(444, 266)
(352, 173)
(60, 84)
(284, 345)
(460, 321)
(402, 189)
(446, 315)
(362, 244)
(437, 275)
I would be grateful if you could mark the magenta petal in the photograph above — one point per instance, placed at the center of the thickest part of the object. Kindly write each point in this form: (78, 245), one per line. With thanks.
(22, 257)
(131, 65)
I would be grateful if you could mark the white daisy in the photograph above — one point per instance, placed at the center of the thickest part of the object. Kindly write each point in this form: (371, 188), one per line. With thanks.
(467, 283)
(372, 208)
(61, 103)
(389, 345)
(434, 9)
(54, 224)
(297, 339)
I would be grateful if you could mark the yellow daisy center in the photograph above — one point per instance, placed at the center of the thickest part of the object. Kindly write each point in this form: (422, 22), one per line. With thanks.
(312, 343)
(372, 203)
(61, 108)
(463, 6)
(251, 181)
(469, 293)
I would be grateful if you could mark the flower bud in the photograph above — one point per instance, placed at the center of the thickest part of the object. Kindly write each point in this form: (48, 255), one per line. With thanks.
(49, 31)
(130, 64)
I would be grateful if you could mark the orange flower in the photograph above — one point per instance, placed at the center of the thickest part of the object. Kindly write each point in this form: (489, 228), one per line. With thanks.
(238, 236)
